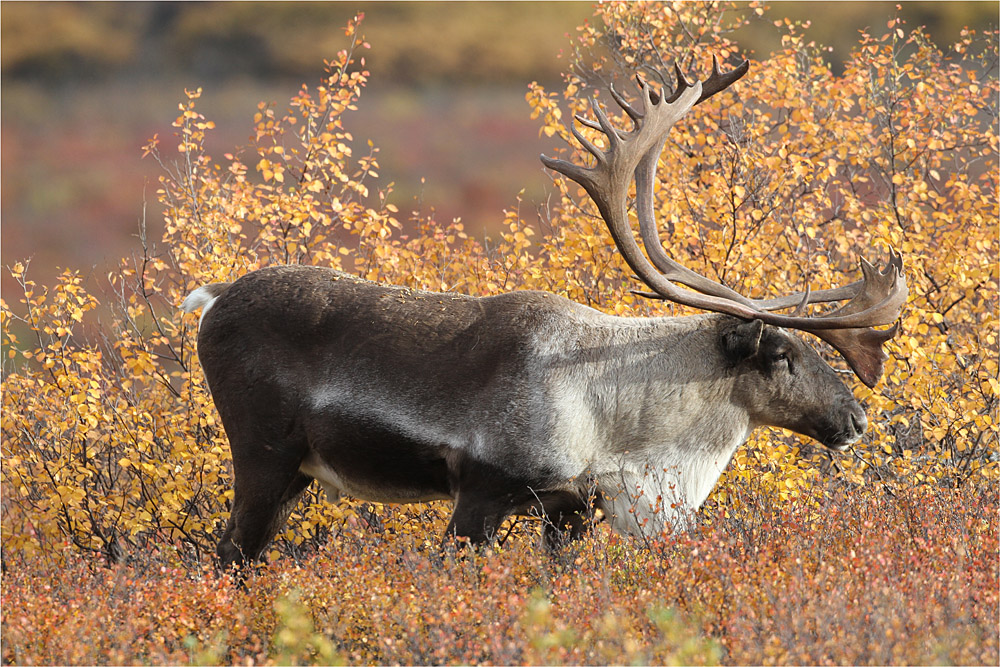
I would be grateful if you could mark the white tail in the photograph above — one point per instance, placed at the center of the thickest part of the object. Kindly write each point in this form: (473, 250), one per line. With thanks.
(203, 298)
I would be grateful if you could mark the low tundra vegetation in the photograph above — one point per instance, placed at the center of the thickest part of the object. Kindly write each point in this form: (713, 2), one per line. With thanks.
(859, 578)
(115, 476)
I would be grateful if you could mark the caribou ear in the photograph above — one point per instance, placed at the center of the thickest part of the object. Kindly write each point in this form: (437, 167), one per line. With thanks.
(742, 341)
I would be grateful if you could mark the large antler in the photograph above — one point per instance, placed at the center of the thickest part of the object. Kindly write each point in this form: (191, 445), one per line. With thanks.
(876, 300)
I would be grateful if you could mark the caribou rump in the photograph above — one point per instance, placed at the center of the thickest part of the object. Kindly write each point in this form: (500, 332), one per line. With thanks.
(525, 402)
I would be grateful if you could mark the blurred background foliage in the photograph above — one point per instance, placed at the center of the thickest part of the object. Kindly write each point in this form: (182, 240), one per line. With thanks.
(86, 84)
(423, 41)
(418, 42)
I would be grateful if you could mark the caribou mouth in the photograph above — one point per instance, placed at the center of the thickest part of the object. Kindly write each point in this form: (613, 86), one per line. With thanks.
(841, 441)
(845, 437)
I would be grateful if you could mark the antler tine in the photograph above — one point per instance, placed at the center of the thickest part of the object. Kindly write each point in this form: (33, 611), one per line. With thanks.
(586, 143)
(682, 84)
(624, 104)
(594, 125)
(636, 116)
(800, 309)
(876, 300)
(720, 80)
(716, 82)
(609, 130)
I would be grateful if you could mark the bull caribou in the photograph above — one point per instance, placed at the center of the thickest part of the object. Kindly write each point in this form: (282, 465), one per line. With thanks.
(527, 402)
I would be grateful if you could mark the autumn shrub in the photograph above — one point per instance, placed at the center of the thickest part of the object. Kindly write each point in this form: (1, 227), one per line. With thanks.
(834, 587)
(111, 445)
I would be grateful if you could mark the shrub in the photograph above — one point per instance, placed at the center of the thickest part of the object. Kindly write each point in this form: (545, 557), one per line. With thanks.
(867, 580)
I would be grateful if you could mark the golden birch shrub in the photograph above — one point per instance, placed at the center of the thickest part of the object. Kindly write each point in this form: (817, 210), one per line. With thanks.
(111, 443)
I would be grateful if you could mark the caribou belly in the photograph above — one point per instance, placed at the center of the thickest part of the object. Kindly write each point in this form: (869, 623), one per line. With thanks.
(363, 487)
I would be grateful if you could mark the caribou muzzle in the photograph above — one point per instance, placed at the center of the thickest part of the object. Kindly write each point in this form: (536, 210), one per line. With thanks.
(849, 429)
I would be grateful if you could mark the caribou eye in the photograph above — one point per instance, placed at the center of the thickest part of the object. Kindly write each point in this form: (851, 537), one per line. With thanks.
(782, 358)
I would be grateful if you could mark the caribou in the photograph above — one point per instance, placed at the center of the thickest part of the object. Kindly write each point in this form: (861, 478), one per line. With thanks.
(526, 402)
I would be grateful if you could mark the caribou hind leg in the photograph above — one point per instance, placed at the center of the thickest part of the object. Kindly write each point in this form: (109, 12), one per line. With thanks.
(261, 505)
